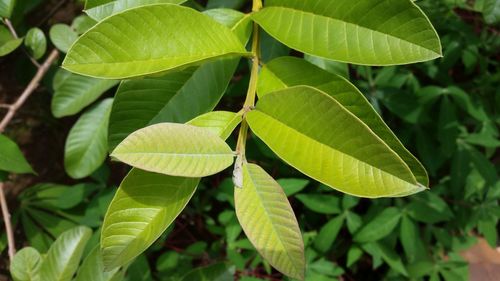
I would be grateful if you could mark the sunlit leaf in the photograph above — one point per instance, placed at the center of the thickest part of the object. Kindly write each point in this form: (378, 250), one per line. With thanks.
(269, 222)
(289, 71)
(101, 12)
(371, 32)
(317, 135)
(166, 39)
(176, 97)
(221, 123)
(143, 207)
(176, 150)
(92, 268)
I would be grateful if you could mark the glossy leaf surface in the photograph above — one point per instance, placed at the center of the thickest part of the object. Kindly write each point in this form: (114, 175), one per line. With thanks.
(85, 148)
(36, 42)
(269, 222)
(74, 92)
(176, 97)
(287, 72)
(103, 11)
(6, 8)
(315, 134)
(143, 207)
(64, 255)
(150, 39)
(92, 268)
(371, 32)
(176, 150)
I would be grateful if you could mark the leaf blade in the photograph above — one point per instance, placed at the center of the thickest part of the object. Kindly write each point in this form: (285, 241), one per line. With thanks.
(276, 235)
(314, 144)
(126, 55)
(373, 32)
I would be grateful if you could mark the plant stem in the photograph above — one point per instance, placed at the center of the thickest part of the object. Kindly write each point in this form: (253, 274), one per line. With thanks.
(252, 87)
(35, 82)
(8, 224)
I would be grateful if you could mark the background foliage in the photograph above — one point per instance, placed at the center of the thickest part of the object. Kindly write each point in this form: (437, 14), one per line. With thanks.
(445, 111)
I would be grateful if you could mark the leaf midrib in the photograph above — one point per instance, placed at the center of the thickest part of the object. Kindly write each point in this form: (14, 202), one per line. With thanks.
(351, 156)
(352, 23)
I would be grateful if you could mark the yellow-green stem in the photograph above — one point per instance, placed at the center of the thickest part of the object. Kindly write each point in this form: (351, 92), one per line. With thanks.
(252, 87)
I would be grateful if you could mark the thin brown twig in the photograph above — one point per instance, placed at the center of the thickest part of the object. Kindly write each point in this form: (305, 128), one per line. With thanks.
(8, 223)
(32, 86)
(9, 25)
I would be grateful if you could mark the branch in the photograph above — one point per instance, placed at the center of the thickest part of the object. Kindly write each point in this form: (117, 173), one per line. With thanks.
(8, 223)
(35, 82)
(9, 25)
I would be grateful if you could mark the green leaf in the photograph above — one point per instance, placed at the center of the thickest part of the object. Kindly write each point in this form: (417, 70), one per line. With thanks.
(379, 227)
(26, 265)
(320, 203)
(176, 97)
(12, 159)
(167, 39)
(142, 209)
(214, 272)
(221, 123)
(82, 23)
(292, 186)
(428, 207)
(269, 222)
(92, 268)
(335, 67)
(94, 3)
(73, 92)
(6, 8)
(491, 11)
(62, 36)
(103, 11)
(353, 255)
(411, 241)
(85, 148)
(328, 234)
(239, 23)
(36, 42)
(7, 42)
(64, 255)
(314, 133)
(287, 72)
(380, 32)
(176, 150)
(388, 255)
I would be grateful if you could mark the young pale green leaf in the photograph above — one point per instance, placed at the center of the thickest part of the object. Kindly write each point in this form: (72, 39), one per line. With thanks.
(11, 158)
(36, 42)
(101, 12)
(144, 229)
(318, 136)
(269, 222)
(6, 8)
(64, 255)
(176, 97)
(82, 23)
(92, 268)
(62, 36)
(8, 43)
(176, 150)
(371, 32)
(73, 92)
(85, 148)
(379, 227)
(143, 207)
(26, 265)
(167, 38)
(289, 71)
(221, 123)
